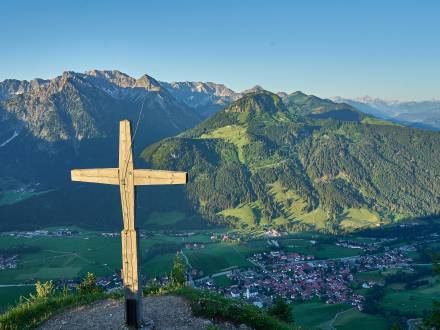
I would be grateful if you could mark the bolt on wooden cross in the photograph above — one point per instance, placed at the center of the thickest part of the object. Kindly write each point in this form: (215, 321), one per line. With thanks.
(127, 178)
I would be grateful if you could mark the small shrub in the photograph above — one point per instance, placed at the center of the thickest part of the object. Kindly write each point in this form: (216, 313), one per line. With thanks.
(178, 272)
(281, 310)
(43, 291)
(88, 285)
(217, 307)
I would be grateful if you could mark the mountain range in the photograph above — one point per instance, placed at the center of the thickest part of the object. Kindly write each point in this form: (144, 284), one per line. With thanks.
(254, 158)
(420, 114)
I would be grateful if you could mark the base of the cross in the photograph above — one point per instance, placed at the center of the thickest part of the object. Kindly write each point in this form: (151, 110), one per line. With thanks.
(133, 313)
(131, 277)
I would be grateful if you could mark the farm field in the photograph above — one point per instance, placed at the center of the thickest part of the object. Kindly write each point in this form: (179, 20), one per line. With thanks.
(353, 319)
(73, 256)
(416, 300)
(217, 257)
(320, 251)
(89, 251)
(316, 314)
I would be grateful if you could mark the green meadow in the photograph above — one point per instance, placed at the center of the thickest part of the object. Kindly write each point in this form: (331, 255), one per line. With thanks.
(316, 314)
(415, 300)
(353, 319)
(73, 256)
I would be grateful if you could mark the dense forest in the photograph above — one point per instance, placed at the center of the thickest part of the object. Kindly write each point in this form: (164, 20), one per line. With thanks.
(304, 163)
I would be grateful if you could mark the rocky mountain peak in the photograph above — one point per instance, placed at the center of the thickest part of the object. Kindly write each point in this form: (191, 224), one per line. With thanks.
(255, 89)
(115, 77)
(149, 83)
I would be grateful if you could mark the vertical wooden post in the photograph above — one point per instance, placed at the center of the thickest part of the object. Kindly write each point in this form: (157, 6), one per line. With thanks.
(129, 236)
(127, 178)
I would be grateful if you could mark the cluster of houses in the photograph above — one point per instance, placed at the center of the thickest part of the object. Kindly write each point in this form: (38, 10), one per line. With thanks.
(62, 232)
(300, 277)
(108, 283)
(8, 262)
(396, 258)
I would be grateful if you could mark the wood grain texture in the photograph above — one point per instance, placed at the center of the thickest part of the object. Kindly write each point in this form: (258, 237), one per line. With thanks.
(158, 177)
(126, 175)
(96, 175)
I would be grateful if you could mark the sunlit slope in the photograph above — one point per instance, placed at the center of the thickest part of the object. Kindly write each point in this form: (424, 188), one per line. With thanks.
(260, 161)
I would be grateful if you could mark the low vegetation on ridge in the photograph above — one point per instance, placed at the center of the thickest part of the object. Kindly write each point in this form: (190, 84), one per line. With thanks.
(40, 306)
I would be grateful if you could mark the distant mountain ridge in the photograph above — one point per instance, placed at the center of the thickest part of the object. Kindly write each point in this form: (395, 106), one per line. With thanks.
(209, 97)
(420, 114)
(60, 120)
(255, 158)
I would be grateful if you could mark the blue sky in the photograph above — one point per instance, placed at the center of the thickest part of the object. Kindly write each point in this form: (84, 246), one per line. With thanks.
(387, 48)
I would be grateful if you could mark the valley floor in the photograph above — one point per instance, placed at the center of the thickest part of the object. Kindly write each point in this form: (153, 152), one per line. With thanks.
(66, 255)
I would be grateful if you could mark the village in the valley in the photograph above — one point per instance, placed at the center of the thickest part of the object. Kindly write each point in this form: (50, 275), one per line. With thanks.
(301, 277)
(276, 272)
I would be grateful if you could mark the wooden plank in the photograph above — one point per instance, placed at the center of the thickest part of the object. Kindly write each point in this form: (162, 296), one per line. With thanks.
(126, 175)
(96, 175)
(130, 264)
(131, 268)
(158, 177)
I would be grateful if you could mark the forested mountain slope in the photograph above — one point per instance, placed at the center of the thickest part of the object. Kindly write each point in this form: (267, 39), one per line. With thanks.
(304, 163)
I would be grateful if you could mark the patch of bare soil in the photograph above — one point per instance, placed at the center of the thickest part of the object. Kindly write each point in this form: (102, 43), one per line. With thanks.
(166, 312)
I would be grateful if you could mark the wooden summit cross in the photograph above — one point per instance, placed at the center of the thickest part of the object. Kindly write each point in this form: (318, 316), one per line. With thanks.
(127, 178)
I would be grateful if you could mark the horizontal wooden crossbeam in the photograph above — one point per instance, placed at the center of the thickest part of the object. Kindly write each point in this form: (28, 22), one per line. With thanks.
(141, 177)
(97, 175)
(157, 177)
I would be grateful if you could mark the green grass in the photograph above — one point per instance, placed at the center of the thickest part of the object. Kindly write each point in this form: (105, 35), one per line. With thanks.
(293, 205)
(294, 209)
(217, 257)
(9, 296)
(223, 281)
(353, 319)
(30, 315)
(71, 257)
(375, 121)
(353, 219)
(315, 314)
(320, 251)
(417, 300)
(158, 266)
(11, 197)
(234, 134)
(62, 257)
(246, 213)
(214, 306)
(374, 275)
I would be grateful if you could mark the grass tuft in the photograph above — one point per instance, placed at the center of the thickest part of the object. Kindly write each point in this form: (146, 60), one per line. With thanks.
(29, 314)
